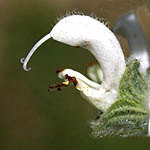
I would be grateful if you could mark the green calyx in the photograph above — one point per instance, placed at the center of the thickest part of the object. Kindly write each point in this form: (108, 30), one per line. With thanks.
(128, 116)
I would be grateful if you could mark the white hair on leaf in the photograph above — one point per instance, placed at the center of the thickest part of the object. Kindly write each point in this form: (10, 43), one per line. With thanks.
(91, 34)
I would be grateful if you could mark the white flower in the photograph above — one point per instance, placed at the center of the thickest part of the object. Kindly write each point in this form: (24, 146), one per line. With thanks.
(91, 34)
(129, 27)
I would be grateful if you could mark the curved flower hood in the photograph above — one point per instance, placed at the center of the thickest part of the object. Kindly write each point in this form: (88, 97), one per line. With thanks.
(93, 35)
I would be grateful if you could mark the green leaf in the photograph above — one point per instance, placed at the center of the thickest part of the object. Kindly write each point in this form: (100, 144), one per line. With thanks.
(128, 116)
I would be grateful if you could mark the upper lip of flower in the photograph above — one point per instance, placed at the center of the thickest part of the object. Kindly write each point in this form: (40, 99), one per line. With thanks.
(101, 42)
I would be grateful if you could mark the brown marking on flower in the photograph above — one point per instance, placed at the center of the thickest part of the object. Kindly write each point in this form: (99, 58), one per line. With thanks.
(58, 87)
(59, 70)
(71, 79)
(77, 46)
(92, 63)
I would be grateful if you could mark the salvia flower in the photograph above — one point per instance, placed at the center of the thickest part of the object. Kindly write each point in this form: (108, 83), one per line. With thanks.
(91, 34)
(115, 88)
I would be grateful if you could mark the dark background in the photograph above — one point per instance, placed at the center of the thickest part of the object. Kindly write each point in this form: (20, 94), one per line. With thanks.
(31, 118)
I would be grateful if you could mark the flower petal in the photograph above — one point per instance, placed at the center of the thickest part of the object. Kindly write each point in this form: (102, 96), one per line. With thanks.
(93, 92)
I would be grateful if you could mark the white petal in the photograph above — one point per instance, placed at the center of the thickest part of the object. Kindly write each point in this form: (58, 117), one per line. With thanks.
(89, 33)
(93, 92)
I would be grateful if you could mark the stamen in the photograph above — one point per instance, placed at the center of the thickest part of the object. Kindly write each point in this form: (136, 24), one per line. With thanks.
(58, 86)
(71, 79)
(59, 70)
(77, 46)
(92, 63)
(65, 83)
(24, 61)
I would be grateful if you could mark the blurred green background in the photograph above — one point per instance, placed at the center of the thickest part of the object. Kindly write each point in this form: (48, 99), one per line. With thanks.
(31, 117)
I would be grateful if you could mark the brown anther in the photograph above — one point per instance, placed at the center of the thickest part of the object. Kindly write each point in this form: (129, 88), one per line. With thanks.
(59, 70)
(77, 46)
(91, 64)
(71, 79)
(58, 87)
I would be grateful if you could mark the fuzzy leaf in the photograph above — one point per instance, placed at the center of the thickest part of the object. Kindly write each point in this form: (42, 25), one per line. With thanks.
(128, 116)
